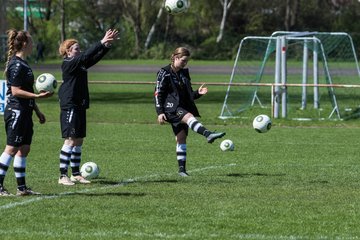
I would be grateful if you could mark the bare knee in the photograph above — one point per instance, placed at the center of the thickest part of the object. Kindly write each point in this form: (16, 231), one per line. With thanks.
(21, 151)
(187, 117)
(73, 141)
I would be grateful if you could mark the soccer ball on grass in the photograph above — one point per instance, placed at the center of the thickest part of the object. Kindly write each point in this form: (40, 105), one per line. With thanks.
(46, 82)
(262, 123)
(90, 170)
(227, 145)
(176, 6)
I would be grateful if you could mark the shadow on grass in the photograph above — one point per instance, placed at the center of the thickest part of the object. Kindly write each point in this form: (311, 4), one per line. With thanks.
(87, 194)
(319, 182)
(159, 181)
(118, 194)
(107, 182)
(243, 175)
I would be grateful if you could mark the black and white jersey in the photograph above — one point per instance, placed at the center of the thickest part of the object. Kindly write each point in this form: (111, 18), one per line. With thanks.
(174, 90)
(19, 74)
(74, 91)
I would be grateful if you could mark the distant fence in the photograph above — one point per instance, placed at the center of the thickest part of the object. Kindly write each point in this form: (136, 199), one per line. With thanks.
(236, 84)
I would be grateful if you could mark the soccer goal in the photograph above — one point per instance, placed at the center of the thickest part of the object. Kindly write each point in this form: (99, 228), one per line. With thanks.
(298, 75)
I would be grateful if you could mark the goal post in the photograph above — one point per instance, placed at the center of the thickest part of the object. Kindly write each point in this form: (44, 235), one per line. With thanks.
(285, 59)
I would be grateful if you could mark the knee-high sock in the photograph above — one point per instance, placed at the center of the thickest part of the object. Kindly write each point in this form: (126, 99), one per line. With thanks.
(75, 160)
(65, 156)
(20, 171)
(5, 160)
(196, 126)
(181, 156)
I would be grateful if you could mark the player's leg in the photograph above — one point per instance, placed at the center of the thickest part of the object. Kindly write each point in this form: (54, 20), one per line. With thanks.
(197, 127)
(20, 166)
(20, 171)
(181, 149)
(65, 156)
(66, 123)
(20, 158)
(75, 162)
(5, 161)
(77, 136)
(11, 118)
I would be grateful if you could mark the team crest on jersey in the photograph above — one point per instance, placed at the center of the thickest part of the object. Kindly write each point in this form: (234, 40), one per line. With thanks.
(179, 113)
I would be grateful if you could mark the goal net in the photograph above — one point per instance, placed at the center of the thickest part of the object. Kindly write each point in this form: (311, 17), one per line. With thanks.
(297, 75)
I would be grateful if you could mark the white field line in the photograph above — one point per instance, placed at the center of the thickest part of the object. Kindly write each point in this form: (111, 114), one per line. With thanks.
(158, 235)
(27, 201)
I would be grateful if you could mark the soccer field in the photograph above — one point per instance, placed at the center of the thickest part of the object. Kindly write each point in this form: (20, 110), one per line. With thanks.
(298, 181)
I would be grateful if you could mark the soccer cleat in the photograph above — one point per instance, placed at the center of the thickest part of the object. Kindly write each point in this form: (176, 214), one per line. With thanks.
(182, 171)
(183, 174)
(79, 179)
(4, 192)
(27, 191)
(214, 135)
(65, 180)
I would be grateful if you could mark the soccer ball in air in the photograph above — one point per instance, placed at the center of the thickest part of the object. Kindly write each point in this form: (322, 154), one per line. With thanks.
(262, 123)
(227, 145)
(90, 170)
(46, 82)
(176, 6)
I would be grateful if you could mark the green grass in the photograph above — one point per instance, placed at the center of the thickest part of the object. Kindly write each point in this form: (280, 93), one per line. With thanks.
(298, 181)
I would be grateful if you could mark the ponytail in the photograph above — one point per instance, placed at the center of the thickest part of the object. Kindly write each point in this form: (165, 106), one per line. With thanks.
(15, 42)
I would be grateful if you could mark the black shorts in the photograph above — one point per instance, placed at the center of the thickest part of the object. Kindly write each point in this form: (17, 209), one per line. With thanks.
(179, 127)
(18, 127)
(73, 123)
(175, 120)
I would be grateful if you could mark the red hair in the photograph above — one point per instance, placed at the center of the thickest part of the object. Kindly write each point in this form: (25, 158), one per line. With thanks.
(65, 45)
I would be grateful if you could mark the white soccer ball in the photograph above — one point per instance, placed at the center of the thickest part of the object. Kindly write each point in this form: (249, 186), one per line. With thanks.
(46, 82)
(177, 6)
(262, 123)
(227, 145)
(90, 170)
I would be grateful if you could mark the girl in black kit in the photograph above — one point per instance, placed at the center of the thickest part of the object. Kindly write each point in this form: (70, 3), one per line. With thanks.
(174, 103)
(74, 101)
(18, 111)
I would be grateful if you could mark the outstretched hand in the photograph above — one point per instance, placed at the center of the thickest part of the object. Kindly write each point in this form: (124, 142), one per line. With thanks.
(110, 36)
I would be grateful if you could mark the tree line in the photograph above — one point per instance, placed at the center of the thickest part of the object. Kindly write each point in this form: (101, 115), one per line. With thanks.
(212, 29)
